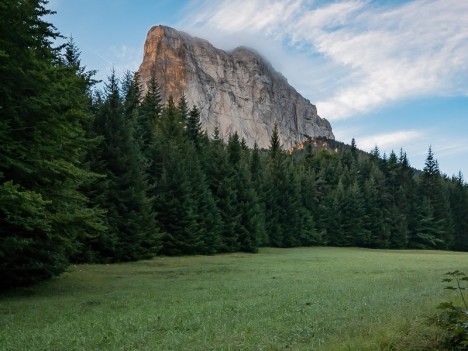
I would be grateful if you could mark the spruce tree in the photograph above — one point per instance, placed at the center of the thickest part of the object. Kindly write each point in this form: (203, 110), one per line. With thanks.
(171, 123)
(335, 216)
(257, 176)
(283, 203)
(175, 206)
(221, 179)
(193, 127)
(433, 188)
(458, 194)
(208, 217)
(355, 217)
(131, 221)
(42, 119)
(377, 225)
(275, 178)
(427, 232)
(182, 107)
(246, 200)
(149, 115)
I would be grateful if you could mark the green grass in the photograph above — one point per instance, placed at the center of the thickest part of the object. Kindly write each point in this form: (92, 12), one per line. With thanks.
(279, 299)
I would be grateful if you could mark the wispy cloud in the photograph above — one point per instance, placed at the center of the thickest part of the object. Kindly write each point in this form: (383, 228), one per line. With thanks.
(237, 15)
(388, 141)
(128, 58)
(371, 55)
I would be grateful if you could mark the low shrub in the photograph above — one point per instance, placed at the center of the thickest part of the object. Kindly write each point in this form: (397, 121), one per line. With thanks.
(455, 318)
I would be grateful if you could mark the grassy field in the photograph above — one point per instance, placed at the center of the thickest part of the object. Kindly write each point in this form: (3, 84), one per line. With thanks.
(279, 299)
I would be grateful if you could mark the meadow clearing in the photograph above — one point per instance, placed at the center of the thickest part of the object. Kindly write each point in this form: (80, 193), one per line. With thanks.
(279, 299)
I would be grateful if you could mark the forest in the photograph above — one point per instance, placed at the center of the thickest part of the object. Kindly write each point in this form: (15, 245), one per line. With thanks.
(116, 175)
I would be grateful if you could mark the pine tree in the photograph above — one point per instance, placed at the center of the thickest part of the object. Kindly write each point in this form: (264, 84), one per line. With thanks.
(354, 149)
(311, 194)
(375, 153)
(208, 217)
(335, 215)
(246, 200)
(458, 194)
(284, 214)
(275, 178)
(275, 145)
(171, 122)
(395, 206)
(355, 217)
(89, 244)
(150, 115)
(176, 207)
(194, 127)
(72, 59)
(221, 180)
(257, 176)
(182, 107)
(377, 225)
(42, 117)
(433, 188)
(426, 234)
(131, 221)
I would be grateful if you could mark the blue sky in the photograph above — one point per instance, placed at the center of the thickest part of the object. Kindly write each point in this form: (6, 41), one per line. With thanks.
(388, 73)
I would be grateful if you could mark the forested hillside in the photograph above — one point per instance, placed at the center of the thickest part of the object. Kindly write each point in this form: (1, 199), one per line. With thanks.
(108, 176)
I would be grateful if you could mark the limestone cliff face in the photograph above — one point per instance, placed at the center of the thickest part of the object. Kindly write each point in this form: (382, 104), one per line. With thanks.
(237, 90)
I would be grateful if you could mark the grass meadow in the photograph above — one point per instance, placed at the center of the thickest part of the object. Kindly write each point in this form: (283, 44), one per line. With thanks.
(278, 299)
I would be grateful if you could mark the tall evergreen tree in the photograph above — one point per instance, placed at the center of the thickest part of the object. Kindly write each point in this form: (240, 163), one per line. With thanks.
(175, 206)
(257, 176)
(221, 180)
(150, 114)
(182, 107)
(171, 122)
(193, 126)
(131, 221)
(208, 217)
(458, 194)
(427, 232)
(246, 202)
(42, 117)
(433, 188)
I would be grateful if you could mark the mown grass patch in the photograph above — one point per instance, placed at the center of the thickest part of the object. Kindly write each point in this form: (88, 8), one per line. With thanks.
(278, 299)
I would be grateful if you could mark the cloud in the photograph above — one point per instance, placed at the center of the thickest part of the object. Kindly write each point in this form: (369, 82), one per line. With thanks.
(238, 15)
(411, 51)
(388, 141)
(361, 55)
(128, 58)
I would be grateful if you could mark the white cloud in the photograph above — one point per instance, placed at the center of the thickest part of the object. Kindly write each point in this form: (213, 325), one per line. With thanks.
(368, 55)
(239, 15)
(388, 141)
(414, 50)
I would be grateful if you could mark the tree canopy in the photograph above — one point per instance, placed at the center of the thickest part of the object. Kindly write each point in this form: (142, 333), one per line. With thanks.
(117, 175)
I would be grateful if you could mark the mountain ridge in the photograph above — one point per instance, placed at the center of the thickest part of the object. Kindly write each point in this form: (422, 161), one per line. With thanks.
(237, 90)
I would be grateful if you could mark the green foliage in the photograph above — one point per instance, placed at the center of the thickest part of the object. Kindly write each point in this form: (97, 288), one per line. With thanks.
(194, 127)
(90, 176)
(133, 233)
(222, 183)
(44, 110)
(455, 318)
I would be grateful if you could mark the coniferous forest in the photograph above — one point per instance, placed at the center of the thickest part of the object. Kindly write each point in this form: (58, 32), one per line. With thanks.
(116, 175)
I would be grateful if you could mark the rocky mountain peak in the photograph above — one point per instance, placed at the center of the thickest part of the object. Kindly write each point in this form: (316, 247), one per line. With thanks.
(237, 90)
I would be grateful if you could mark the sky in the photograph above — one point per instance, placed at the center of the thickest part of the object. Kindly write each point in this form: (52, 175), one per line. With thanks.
(389, 73)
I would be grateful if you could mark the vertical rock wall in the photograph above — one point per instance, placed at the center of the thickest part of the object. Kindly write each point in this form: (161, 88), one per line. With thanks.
(237, 90)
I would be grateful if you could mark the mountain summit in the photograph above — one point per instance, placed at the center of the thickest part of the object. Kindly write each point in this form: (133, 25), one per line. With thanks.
(238, 90)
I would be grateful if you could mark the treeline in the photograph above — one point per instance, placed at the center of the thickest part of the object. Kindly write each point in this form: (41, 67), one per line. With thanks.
(88, 176)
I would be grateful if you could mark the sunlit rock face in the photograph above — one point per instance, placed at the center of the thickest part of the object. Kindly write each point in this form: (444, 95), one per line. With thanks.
(239, 91)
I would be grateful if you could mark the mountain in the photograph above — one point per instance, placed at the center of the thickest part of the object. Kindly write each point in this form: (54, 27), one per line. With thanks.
(238, 90)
